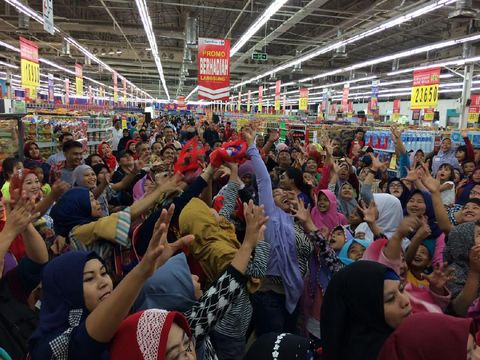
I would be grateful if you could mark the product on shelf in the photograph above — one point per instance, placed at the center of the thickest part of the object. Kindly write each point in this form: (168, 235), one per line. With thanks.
(8, 137)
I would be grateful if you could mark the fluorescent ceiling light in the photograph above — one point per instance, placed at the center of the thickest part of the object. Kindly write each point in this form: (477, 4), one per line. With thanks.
(3, 63)
(268, 13)
(424, 9)
(39, 18)
(147, 25)
(458, 62)
(402, 54)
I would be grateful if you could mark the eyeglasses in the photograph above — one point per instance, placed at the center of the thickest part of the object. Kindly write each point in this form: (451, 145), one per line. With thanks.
(395, 186)
(474, 193)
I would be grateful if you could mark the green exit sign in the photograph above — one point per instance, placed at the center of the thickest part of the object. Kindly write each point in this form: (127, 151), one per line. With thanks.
(259, 56)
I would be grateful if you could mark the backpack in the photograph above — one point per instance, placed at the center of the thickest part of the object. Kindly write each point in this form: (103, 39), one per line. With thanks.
(17, 323)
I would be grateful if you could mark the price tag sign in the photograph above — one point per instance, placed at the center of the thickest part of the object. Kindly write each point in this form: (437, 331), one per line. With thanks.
(428, 115)
(425, 89)
(473, 117)
(29, 67)
(78, 79)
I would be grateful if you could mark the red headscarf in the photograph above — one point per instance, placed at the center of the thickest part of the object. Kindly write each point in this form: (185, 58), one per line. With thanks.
(428, 336)
(144, 335)
(26, 151)
(127, 146)
(110, 160)
(16, 182)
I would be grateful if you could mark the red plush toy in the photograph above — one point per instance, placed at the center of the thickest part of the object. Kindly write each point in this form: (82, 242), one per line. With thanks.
(188, 159)
(232, 151)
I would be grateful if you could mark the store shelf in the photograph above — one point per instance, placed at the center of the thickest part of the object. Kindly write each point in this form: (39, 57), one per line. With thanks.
(99, 129)
(43, 145)
(384, 150)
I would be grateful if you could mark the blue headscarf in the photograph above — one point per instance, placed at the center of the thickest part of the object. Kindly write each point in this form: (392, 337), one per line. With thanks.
(63, 305)
(429, 212)
(343, 255)
(169, 288)
(71, 210)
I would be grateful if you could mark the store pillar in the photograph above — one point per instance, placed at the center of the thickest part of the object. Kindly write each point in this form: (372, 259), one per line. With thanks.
(467, 86)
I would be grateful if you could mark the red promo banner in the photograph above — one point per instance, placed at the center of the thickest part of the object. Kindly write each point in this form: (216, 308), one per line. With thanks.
(79, 71)
(213, 69)
(474, 109)
(181, 103)
(67, 91)
(28, 50)
(333, 109)
(260, 99)
(278, 86)
(350, 107)
(426, 77)
(346, 92)
(396, 106)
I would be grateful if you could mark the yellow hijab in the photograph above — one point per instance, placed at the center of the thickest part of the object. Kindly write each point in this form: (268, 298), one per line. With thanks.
(215, 243)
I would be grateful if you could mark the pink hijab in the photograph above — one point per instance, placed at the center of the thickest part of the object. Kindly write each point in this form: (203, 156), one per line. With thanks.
(331, 218)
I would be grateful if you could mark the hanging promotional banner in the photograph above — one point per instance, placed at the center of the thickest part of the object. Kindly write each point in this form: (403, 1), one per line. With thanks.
(284, 103)
(30, 69)
(239, 101)
(278, 86)
(125, 92)
(350, 108)
(79, 80)
(213, 69)
(260, 99)
(324, 103)
(333, 109)
(181, 103)
(91, 97)
(249, 99)
(346, 92)
(102, 92)
(48, 17)
(474, 109)
(115, 89)
(428, 115)
(303, 100)
(51, 88)
(425, 89)
(67, 91)
(374, 97)
(396, 110)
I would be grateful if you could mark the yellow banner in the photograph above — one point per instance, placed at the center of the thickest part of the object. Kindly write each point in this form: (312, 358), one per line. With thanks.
(79, 86)
(30, 73)
(473, 118)
(423, 97)
(428, 116)
(259, 107)
(277, 104)
(303, 104)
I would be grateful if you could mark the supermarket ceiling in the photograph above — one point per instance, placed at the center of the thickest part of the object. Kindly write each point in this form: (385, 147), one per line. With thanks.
(114, 32)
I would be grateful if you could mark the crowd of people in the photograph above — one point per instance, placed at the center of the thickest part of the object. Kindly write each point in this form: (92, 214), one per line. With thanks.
(189, 240)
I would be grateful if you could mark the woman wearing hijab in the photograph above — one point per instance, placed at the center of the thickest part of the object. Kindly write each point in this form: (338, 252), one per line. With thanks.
(153, 335)
(105, 152)
(79, 317)
(397, 188)
(77, 216)
(174, 288)
(431, 337)
(390, 215)
(325, 214)
(283, 346)
(446, 155)
(278, 298)
(33, 158)
(364, 303)
(122, 144)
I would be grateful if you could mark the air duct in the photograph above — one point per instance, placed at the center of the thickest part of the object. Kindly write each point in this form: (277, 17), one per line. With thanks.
(463, 11)
(297, 67)
(340, 52)
(187, 56)
(191, 32)
(65, 48)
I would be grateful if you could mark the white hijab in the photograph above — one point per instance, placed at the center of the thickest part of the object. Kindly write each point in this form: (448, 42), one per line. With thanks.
(390, 215)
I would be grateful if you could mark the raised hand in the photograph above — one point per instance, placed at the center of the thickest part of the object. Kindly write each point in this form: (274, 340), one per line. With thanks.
(329, 148)
(408, 226)
(22, 214)
(248, 134)
(369, 212)
(256, 221)
(440, 276)
(376, 163)
(432, 184)
(412, 175)
(169, 184)
(159, 250)
(464, 133)
(424, 231)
